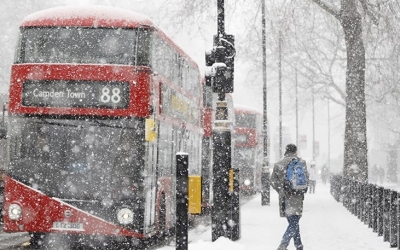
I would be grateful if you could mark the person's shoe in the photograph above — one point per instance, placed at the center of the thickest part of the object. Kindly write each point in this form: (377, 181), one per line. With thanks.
(281, 247)
(299, 248)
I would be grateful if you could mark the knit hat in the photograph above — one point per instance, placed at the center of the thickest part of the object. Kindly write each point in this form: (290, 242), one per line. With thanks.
(290, 148)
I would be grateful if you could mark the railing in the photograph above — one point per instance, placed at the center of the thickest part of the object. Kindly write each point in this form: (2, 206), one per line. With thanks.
(376, 206)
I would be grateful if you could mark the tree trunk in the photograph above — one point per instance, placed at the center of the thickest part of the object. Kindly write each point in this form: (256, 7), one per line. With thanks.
(355, 141)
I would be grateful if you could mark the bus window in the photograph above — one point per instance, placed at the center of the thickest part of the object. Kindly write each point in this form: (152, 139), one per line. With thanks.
(3, 123)
(78, 45)
(3, 130)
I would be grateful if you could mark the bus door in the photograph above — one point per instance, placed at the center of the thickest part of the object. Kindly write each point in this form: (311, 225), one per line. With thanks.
(150, 177)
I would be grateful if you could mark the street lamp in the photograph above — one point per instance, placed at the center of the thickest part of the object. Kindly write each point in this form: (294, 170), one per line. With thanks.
(329, 136)
(313, 123)
(280, 91)
(297, 110)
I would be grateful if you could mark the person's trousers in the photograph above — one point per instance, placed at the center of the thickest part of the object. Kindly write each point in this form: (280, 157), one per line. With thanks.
(312, 186)
(292, 231)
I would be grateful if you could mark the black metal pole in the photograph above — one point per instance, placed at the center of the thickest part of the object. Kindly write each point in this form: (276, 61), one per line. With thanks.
(222, 82)
(370, 207)
(265, 175)
(221, 166)
(375, 208)
(221, 18)
(393, 219)
(329, 136)
(352, 196)
(398, 220)
(365, 202)
(297, 108)
(234, 215)
(386, 211)
(265, 182)
(280, 92)
(182, 165)
(313, 123)
(359, 200)
(380, 210)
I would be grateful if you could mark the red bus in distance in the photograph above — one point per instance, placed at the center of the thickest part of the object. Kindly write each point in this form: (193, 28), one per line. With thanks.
(248, 149)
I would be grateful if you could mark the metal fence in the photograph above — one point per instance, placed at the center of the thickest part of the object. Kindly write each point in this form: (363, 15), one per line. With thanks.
(376, 206)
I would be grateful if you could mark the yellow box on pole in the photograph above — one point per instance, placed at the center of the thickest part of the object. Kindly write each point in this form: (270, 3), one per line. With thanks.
(194, 194)
(231, 177)
(151, 133)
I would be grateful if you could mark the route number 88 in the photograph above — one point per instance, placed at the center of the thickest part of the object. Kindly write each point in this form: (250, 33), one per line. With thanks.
(113, 95)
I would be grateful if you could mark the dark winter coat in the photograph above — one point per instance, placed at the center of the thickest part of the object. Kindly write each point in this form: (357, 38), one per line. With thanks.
(294, 204)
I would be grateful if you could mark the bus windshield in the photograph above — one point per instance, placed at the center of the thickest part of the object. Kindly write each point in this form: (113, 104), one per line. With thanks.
(76, 159)
(83, 45)
(245, 120)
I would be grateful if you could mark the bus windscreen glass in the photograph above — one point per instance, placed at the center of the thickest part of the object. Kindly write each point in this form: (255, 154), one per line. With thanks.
(245, 120)
(76, 159)
(83, 45)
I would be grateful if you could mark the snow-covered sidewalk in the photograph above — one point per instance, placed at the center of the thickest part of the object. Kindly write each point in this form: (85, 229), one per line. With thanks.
(326, 224)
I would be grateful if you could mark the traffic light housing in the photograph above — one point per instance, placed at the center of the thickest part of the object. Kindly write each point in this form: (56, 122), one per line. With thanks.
(220, 64)
(220, 78)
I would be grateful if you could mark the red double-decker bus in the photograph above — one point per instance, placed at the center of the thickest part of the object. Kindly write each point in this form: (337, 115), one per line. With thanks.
(248, 149)
(100, 102)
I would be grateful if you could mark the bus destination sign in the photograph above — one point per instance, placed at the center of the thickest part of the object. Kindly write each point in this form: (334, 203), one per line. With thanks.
(75, 94)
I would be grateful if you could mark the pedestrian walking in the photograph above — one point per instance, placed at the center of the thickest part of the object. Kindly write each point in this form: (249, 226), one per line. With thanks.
(312, 172)
(325, 173)
(290, 206)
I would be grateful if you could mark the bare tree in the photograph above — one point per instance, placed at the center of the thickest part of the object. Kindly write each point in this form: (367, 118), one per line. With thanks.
(355, 146)
(342, 49)
(384, 61)
(318, 57)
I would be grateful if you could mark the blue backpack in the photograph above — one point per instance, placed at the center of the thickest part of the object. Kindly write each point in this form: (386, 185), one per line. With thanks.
(296, 177)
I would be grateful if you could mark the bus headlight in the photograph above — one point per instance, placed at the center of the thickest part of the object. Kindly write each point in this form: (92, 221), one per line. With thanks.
(247, 182)
(14, 212)
(240, 138)
(125, 216)
(107, 202)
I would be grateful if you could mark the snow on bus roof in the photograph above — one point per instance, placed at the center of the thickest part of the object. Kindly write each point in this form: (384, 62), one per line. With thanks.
(89, 16)
(248, 110)
(94, 16)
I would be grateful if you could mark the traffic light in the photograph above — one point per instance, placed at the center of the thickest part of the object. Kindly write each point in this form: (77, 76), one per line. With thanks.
(228, 57)
(210, 60)
(220, 64)
(220, 78)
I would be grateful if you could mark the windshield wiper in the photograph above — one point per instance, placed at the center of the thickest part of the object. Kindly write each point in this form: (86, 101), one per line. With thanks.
(56, 123)
(101, 124)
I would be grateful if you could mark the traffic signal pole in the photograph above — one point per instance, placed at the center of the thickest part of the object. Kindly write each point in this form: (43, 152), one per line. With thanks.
(221, 165)
(221, 18)
(225, 213)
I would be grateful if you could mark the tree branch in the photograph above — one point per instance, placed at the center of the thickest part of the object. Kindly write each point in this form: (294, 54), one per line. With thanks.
(330, 9)
(368, 11)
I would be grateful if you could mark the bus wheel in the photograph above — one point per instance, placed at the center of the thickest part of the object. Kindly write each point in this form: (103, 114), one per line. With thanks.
(37, 240)
(162, 216)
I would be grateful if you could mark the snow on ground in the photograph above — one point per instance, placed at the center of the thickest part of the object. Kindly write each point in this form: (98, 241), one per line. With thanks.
(326, 224)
